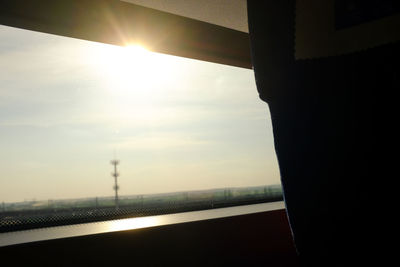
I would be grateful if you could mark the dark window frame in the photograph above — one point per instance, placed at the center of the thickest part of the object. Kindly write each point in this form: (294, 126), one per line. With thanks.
(115, 22)
(178, 36)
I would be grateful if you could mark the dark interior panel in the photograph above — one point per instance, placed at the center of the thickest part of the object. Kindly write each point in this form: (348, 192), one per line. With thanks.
(261, 239)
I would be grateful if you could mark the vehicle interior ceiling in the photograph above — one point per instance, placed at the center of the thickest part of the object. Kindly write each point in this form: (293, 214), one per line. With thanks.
(320, 97)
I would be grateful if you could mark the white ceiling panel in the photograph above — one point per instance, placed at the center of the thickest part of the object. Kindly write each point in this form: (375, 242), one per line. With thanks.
(227, 13)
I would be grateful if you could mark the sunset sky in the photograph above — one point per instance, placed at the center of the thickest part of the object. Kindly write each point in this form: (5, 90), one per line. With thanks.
(68, 106)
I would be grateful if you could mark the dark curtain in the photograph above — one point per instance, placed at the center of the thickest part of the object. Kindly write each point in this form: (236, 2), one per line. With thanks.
(325, 131)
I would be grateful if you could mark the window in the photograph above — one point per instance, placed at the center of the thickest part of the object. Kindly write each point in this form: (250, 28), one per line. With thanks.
(183, 134)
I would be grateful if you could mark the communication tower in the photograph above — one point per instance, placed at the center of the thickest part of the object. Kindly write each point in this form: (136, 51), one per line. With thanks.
(115, 174)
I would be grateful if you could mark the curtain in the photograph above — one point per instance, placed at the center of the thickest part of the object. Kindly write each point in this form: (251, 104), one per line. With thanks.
(324, 129)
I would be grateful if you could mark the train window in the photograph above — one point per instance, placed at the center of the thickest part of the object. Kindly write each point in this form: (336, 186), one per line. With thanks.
(92, 132)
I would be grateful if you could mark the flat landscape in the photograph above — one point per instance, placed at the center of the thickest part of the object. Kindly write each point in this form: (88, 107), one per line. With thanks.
(46, 213)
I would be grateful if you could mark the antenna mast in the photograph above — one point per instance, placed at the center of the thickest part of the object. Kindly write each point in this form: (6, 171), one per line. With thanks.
(115, 174)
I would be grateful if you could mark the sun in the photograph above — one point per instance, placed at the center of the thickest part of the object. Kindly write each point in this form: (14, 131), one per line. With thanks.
(126, 66)
(126, 71)
(135, 81)
(130, 59)
(136, 51)
(132, 67)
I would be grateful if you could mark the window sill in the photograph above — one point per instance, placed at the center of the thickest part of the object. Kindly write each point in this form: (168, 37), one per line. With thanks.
(42, 234)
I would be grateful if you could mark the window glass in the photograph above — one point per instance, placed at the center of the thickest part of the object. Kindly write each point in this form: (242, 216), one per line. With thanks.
(187, 134)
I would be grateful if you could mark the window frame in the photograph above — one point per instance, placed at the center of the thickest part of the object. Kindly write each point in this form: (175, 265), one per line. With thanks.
(115, 22)
(83, 19)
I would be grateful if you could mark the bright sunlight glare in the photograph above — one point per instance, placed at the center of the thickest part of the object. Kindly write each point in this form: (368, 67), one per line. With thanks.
(125, 66)
(133, 223)
(136, 78)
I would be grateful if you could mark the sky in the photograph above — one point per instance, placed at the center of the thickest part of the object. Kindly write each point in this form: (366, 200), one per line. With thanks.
(68, 107)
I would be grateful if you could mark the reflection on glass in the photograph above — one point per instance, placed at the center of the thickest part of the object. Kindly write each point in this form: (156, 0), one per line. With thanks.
(69, 106)
(134, 223)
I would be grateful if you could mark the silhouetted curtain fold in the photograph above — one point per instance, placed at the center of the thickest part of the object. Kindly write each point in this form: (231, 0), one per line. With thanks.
(322, 120)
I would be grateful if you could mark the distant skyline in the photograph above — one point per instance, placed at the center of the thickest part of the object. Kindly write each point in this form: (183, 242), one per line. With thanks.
(175, 124)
